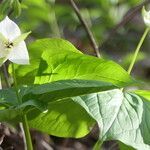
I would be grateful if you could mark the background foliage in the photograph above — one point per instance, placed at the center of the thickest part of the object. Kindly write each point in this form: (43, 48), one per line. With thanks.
(117, 37)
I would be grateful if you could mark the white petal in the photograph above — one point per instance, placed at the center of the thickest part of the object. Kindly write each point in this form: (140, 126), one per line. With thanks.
(19, 54)
(147, 20)
(9, 29)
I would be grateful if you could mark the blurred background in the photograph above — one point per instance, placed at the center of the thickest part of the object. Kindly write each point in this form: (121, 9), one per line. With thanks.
(117, 26)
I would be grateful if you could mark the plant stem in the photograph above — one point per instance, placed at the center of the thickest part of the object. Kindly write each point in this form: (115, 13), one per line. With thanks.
(138, 49)
(28, 141)
(98, 145)
(27, 133)
(86, 27)
(5, 73)
(15, 85)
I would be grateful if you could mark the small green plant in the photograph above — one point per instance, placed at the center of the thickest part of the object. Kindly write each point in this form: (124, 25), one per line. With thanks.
(64, 92)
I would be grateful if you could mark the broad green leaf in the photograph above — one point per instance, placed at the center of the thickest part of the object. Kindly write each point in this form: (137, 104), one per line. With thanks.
(104, 103)
(25, 74)
(61, 60)
(55, 44)
(64, 89)
(63, 118)
(120, 116)
(38, 96)
(59, 65)
(143, 93)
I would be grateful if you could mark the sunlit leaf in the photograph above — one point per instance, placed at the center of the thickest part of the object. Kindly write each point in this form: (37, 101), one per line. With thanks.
(63, 118)
(57, 64)
(120, 116)
(25, 74)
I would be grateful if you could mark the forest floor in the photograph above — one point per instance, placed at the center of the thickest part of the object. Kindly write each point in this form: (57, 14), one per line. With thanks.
(12, 139)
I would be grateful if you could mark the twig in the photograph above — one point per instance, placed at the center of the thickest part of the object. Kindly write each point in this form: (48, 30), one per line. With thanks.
(127, 18)
(87, 29)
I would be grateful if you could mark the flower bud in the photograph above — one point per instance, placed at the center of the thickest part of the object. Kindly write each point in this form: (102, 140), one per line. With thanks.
(146, 17)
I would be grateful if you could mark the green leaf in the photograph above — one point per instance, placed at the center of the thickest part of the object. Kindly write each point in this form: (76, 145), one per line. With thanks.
(120, 116)
(38, 96)
(8, 96)
(8, 6)
(25, 74)
(63, 118)
(145, 94)
(124, 147)
(55, 44)
(16, 8)
(61, 60)
(58, 64)
(33, 104)
(8, 101)
(10, 109)
(5, 7)
(9, 114)
(20, 38)
(64, 89)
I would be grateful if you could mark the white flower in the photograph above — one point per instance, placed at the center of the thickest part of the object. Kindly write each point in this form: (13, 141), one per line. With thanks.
(12, 45)
(146, 16)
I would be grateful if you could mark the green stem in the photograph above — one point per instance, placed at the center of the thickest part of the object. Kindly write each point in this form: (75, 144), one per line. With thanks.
(15, 85)
(138, 49)
(5, 74)
(98, 145)
(27, 135)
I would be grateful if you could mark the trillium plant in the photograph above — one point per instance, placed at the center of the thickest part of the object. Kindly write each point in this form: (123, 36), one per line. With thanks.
(63, 92)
